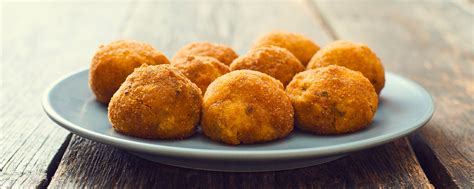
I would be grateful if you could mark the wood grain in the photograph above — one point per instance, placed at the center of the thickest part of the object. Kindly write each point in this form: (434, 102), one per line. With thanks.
(168, 26)
(91, 164)
(431, 43)
(40, 43)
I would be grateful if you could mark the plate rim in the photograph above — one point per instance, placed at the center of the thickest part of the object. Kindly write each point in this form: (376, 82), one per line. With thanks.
(155, 149)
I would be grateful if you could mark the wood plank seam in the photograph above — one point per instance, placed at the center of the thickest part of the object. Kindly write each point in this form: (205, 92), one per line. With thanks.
(431, 163)
(94, 164)
(428, 33)
(63, 145)
(330, 29)
(53, 166)
(317, 14)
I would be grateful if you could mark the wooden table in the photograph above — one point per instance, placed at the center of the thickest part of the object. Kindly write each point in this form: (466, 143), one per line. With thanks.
(430, 42)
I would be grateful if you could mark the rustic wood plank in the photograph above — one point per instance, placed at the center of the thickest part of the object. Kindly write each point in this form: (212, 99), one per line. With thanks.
(40, 43)
(432, 43)
(91, 164)
(170, 25)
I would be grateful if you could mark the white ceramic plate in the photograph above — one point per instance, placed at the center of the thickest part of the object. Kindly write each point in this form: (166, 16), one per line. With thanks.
(404, 107)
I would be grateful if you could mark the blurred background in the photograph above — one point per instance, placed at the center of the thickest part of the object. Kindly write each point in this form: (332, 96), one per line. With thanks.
(430, 42)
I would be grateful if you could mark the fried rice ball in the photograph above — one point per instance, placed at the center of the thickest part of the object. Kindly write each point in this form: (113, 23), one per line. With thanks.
(332, 100)
(223, 53)
(302, 47)
(355, 56)
(201, 70)
(113, 62)
(246, 107)
(272, 60)
(156, 102)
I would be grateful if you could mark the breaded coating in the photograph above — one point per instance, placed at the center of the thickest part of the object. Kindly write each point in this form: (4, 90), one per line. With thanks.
(221, 52)
(156, 102)
(355, 56)
(113, 62)
(302, 47)
(332, 100)
(201, 70)
(272, 60)
(246, 107)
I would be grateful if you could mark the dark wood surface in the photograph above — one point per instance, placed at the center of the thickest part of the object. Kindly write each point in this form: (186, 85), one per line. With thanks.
(40, 43)
(91, 164)
(230, 23)
(429, 42)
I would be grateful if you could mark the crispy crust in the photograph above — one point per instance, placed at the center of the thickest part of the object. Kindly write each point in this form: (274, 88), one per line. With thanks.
(156, 102)
(221, 52)
(272, 60)
(201, 70)
(355, 56)
(113, 62)
(332, 100)
(302, 47)
(246, 107)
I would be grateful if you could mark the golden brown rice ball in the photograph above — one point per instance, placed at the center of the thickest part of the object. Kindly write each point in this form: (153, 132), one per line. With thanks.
(272, 60)
(302, 47)
(113, 62)
(223, 53)
(355, 56)
(156, 102)
(201, 70)
(246, 107)
(332, 100)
